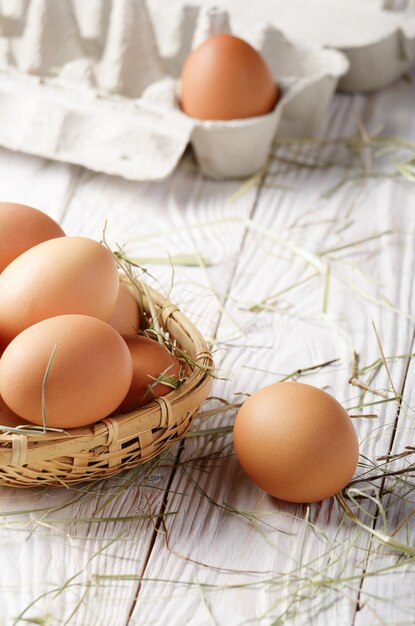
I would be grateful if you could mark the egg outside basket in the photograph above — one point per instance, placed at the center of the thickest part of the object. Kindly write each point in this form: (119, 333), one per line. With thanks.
(122, 441)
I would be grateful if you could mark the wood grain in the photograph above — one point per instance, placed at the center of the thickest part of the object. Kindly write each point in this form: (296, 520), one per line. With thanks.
(191, 540)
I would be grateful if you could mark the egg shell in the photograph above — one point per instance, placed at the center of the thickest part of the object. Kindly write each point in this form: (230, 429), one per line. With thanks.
(224, 79)
(296, 442)
(150, 359)
(89, 374)
(125, 317)
(57, 277)
(21, 228)
(9, 418)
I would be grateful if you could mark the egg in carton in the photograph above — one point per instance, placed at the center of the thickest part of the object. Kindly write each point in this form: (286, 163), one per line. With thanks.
(307, 78)
(84, 83)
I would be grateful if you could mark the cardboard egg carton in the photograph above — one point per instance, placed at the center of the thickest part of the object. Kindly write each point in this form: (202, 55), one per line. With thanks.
(84, 82)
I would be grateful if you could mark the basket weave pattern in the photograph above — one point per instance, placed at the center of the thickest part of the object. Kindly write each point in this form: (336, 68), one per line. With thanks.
(121, 441)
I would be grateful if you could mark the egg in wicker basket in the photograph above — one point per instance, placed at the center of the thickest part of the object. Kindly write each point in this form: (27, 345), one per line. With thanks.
(117, 442)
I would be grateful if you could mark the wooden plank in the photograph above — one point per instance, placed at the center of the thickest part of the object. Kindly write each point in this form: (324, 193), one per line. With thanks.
(387, 598)
(282, 552)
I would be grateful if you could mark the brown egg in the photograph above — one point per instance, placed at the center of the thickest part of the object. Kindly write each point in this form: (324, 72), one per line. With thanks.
(57, 277)
(150, 360)
(89, 374)
(125, 317)
(8, 418)
(225, 79)
(21, 228)
(296, 442)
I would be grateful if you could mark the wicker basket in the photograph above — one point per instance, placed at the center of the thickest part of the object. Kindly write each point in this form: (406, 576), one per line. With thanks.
(123, 441)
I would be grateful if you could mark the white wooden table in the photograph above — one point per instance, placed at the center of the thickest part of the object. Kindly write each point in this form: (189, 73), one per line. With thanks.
(192, 541)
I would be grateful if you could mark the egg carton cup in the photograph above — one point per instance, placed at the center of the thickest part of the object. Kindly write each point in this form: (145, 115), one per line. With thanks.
(118, 442)
(239, 148)
(85, 83)
(376, 36)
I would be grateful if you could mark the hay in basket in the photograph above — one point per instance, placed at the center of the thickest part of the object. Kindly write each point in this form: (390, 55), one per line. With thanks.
(118, 442)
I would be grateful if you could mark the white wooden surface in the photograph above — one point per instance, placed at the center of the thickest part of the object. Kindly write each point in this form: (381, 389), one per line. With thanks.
(228, 554)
